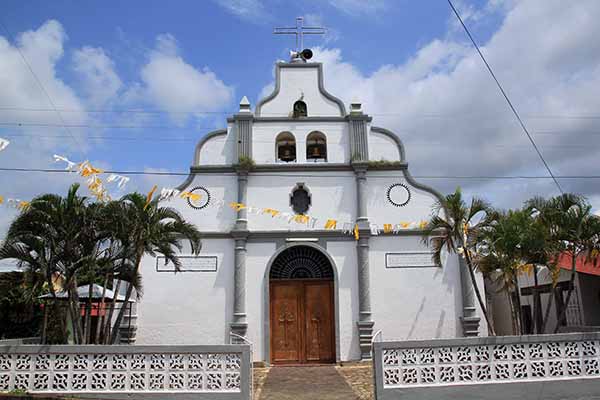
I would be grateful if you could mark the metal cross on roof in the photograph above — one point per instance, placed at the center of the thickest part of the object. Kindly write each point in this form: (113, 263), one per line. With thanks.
(300, 30)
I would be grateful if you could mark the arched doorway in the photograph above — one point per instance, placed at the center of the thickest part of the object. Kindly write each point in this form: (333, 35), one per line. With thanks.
(301, 303)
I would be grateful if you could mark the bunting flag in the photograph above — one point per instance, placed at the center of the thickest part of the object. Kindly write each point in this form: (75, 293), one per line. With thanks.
(121, 180)
(86, 169)
(423, 224)
(149, 196)
(70, 164)
(23, 205)
(3, 144)
(1, 199)
(331, 224)
(387, 228)
(356, 234)
(374, 229)
(405, 225)
(167, 194)
(301, 219)
(190, 195)
(237, 206)
(270, 211)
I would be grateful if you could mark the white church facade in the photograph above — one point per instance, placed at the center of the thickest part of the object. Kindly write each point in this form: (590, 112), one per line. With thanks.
(299, 291)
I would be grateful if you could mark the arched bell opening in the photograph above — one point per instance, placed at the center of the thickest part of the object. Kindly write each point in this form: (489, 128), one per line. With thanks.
(316, 147)
(300, 109)
(302, 316)
(285, 147)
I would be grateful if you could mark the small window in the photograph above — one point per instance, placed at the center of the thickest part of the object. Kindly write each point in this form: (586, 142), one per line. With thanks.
(300, 109)
(316, 147)
(300, 199)
(286, 147)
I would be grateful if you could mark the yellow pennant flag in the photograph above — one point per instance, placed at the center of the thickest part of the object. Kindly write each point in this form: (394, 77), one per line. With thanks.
(189, 195)
(23, 205)
(87, 169)
(301, 219)
(405, 224)
(423, 224)
(149, 196)
(387, 228)
(1, 199)
(356, 235)
(331, 224)
(237, 206)
(271, 211)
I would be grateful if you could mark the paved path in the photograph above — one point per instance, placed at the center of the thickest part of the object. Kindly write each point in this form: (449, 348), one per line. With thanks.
(304, 383)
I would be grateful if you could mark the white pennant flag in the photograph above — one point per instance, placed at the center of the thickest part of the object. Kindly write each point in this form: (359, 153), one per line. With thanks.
(3, 144)
(374, 229)
(348, 227)
(70, 164)
(121, 180)
(167, 194)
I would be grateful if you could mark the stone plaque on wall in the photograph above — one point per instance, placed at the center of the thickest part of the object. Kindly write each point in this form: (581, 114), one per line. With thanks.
(409, 259)
(189, 264)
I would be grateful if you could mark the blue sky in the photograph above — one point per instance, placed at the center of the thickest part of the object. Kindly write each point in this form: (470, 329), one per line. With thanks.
(408, 61)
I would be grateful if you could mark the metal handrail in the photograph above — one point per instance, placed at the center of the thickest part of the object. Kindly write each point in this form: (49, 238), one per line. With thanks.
(231, 334)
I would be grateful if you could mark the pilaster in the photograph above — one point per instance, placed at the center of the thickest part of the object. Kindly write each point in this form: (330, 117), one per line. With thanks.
(470, 320)
(243, 127)
(239, 325)
(365, 323)
(359, 144)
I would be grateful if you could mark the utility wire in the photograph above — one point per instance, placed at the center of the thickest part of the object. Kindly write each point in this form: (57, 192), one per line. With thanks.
(155, 111)
(539, 153)
(291, 173)
(39, 82)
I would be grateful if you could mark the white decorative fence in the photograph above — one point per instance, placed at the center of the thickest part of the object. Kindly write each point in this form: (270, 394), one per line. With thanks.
(488, 360)
(222, 371)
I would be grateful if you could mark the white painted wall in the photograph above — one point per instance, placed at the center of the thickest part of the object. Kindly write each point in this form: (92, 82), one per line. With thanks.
(381, 211)
(344, 256)
(218, 150)
(212, 218)
(257, 306)
(333, 196)
(188, 307)
(294, 84)
(414, 303)
(265, 133)
(382, 147)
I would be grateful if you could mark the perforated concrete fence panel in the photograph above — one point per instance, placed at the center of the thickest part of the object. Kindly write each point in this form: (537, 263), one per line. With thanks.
(509, 367)
(198, 372)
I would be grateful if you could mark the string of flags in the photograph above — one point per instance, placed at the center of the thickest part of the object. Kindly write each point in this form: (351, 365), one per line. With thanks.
(97, 187)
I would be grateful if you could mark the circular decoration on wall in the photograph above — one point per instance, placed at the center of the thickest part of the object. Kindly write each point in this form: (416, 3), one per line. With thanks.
(398, 194)
(204, 200)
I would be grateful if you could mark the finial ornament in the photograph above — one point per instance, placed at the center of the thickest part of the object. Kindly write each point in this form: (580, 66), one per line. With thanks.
(299, 54)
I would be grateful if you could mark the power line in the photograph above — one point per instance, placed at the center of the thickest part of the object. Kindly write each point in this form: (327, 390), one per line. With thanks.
(166, 173)
(159, 112)
(506, 97)
(39, 82)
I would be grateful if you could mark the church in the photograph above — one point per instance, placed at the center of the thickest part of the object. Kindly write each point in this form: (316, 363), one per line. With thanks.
(312, 228)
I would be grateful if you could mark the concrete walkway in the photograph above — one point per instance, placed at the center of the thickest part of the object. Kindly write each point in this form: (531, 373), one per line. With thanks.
(304, 383)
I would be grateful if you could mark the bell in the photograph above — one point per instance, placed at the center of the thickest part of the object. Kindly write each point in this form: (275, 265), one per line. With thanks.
(316, 152)
(286, 154)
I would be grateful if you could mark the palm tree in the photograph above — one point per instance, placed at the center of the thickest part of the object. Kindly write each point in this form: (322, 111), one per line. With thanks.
(574, 230)
(514, 242)
(57, 235)
(457, 231)
(151, 230)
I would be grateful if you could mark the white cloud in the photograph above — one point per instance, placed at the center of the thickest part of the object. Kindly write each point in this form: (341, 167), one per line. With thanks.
(449, 113)
(173, 85)
(251, 10)
(43, 49)
(96, 71)
(359, 7)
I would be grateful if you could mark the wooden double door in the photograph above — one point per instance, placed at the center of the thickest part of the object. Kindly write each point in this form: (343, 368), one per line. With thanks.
(302, 321)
